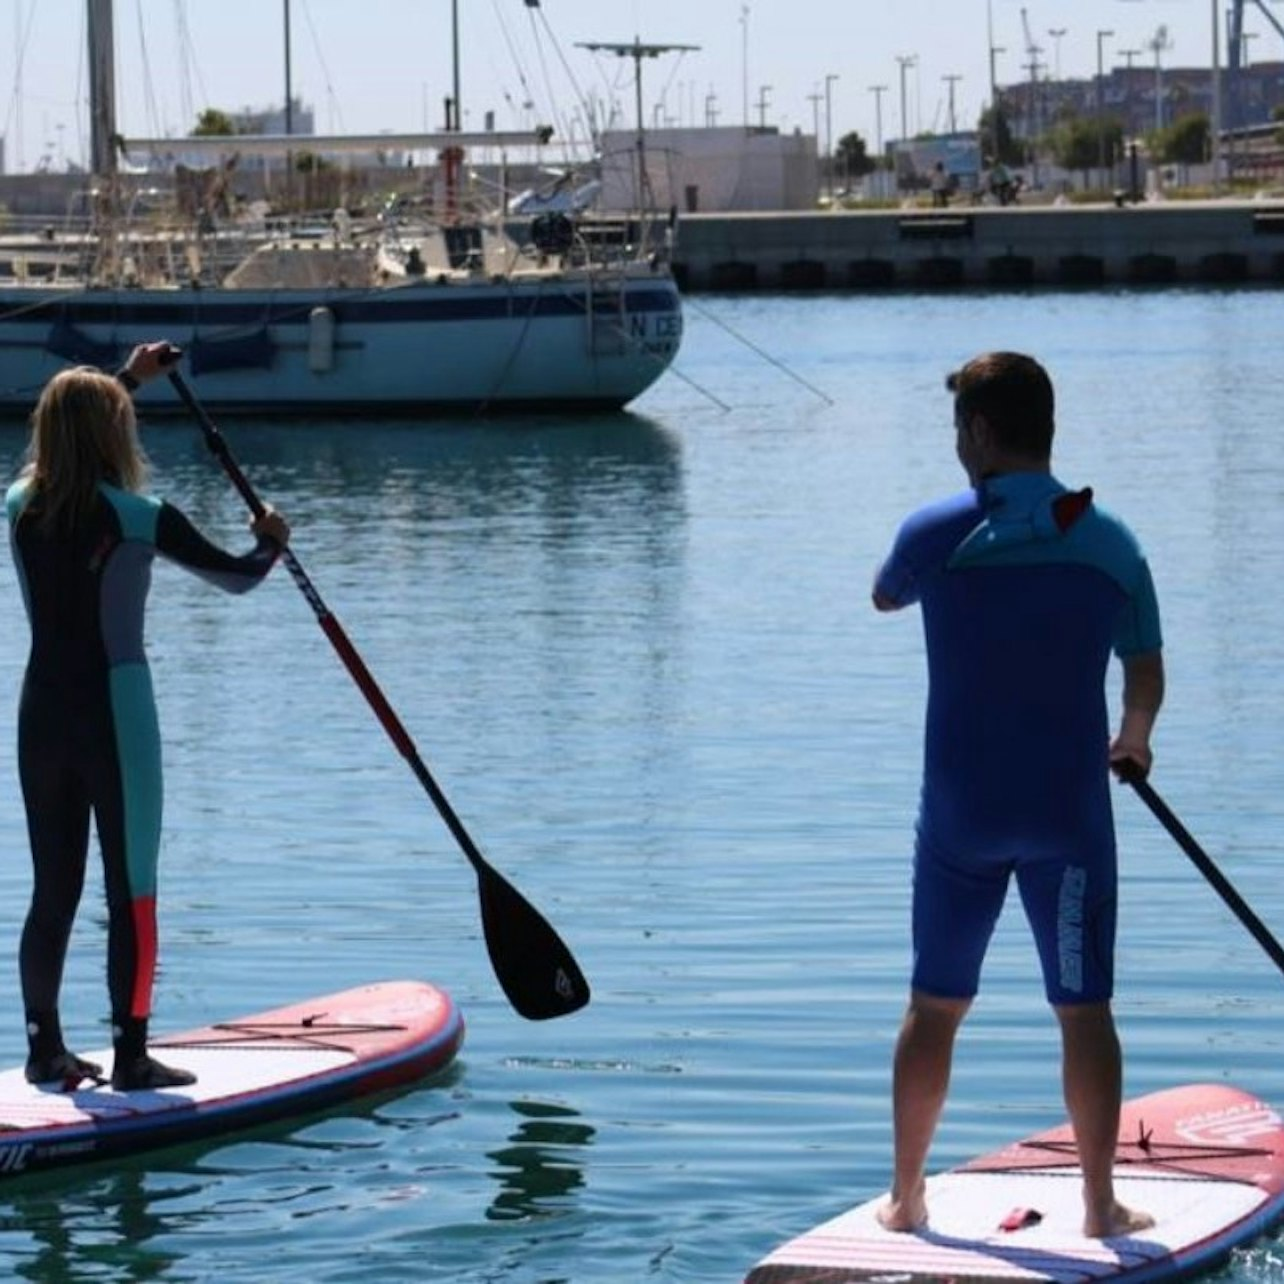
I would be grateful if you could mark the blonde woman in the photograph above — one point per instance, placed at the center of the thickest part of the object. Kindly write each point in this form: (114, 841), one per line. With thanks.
(84, 534)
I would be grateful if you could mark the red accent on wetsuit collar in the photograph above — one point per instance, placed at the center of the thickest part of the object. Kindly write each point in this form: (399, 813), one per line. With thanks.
(1068, 508)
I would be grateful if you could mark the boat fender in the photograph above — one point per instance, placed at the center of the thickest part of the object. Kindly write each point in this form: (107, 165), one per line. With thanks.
(320, 340)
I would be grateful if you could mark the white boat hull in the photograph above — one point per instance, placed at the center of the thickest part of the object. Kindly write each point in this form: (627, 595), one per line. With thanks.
(428, 346)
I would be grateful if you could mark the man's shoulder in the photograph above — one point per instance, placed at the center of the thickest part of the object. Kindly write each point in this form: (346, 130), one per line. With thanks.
(947, 509)
(1105, 527)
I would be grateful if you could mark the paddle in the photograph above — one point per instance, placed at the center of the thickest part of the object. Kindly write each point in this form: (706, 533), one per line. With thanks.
(534, 968)
(1129, 772)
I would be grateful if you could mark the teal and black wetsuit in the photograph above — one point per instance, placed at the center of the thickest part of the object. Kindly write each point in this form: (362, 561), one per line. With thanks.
(88, 739)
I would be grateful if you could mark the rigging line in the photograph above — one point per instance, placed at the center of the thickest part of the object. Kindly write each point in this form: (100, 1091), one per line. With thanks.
(580, 95)
(636, 344)
(529, 98)
(83, 46)
(677, 63)
(149, 95)
(185, 105)
(766, 356)
(24, 38)
(187, 59)
(559, 118)
(325, 70)
(700, 388)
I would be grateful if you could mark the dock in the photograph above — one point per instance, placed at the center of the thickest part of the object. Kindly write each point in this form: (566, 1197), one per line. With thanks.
(1179, 242)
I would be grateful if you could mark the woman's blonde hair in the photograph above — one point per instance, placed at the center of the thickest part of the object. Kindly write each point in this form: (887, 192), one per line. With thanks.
(83, 431)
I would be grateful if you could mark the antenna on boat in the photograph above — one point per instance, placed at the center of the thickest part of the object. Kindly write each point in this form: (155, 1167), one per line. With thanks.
(637, 51)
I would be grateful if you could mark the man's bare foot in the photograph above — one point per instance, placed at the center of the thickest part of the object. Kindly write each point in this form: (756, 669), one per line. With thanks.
(1115, 1220)
(903, 1214)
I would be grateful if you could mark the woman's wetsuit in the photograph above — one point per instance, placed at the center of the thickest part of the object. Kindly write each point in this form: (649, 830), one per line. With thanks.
(88, 738)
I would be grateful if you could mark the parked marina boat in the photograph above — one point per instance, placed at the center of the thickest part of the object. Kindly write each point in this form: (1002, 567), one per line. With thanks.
(395, 312)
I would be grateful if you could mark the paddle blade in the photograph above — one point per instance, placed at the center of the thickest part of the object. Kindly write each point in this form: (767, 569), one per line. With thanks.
(534, 968)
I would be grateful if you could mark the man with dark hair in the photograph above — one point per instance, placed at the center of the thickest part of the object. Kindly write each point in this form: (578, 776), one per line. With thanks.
(1025, 587)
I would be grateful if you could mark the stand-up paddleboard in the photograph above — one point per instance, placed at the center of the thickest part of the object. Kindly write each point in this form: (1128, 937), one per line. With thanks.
(249, 1071)
(1206, 1161)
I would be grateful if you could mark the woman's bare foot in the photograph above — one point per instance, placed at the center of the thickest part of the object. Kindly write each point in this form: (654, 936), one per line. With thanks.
(1115, 1220)
(909, 1214)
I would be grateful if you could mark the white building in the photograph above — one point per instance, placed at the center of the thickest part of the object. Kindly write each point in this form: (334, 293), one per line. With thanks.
(711, 170)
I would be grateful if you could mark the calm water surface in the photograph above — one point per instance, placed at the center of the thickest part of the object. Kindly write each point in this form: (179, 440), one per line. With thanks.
(638, 655)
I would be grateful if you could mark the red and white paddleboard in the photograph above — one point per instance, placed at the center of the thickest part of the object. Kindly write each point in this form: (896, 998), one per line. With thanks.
(1206, 1161)
(249, 1071)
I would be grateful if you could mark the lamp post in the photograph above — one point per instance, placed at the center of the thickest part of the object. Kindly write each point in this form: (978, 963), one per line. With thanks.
(1056, 33)
(951, 80)
(763, 91)
(906, 61)
(994, 50)
(1215, 121)
(878, 91)
(744, 59)
(829, 133)
(1128, 55)
(1101, 117)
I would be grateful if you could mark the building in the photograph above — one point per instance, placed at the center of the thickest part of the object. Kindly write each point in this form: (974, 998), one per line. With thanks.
(1145, 98)
(711, 169)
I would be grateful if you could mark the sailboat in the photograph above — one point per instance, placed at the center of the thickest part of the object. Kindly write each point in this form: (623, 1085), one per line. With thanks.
(382, 315)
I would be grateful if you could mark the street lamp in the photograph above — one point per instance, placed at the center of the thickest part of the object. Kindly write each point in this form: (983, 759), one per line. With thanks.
(1215, 121)
(1128, 55)
(763, 91)
(829, 133)
(1101, 118)
(994, 50)
(878, 91)
(951, 80)
(1056, 33)
(906, 61)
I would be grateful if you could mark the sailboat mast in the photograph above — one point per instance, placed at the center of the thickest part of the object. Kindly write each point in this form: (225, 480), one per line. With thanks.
(102, 89)
(289, 90)
(454, 39)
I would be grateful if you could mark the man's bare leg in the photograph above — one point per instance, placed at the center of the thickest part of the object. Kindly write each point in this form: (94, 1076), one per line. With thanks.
(1092, 1078)
(920, 1079)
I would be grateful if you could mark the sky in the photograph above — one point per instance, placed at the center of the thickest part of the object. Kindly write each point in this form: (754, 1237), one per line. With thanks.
(368, 66)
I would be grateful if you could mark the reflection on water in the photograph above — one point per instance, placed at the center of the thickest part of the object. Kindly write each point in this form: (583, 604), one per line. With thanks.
(540, 1167)
(53, 1232)
(637, 653)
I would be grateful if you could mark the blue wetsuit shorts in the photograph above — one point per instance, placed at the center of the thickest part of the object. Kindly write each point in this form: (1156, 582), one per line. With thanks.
(1069, 901)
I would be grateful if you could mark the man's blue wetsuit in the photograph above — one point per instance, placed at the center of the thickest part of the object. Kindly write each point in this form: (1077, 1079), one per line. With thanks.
(88, 739)
(1025, 589)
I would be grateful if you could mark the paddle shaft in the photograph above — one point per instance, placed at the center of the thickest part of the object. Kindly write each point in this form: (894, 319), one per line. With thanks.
(333, 630)
(1220, 883)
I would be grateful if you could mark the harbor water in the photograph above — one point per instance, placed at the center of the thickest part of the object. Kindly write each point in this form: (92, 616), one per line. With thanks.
(638, 654)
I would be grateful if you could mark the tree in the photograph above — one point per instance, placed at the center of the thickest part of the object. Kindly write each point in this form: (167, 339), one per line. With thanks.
(1077, 143)
(997, 142)
(1185, 141)
(213, 123)
(853, 157)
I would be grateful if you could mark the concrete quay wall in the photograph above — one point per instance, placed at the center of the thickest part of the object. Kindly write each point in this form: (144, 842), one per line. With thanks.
(1215, 242)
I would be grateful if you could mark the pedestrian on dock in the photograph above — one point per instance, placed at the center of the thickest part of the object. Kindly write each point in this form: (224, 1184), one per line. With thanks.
(1026, 588)
(940, 187)
(84, 534)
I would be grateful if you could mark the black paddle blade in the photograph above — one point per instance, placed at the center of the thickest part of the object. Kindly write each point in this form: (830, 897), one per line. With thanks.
(534, 968)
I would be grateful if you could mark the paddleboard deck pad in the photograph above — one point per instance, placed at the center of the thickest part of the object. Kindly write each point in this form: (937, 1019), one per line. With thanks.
(1206, 1161)
(274, 1065)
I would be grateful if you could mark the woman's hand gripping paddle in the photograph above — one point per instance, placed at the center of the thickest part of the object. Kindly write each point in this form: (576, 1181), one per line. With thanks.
(534, 968)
